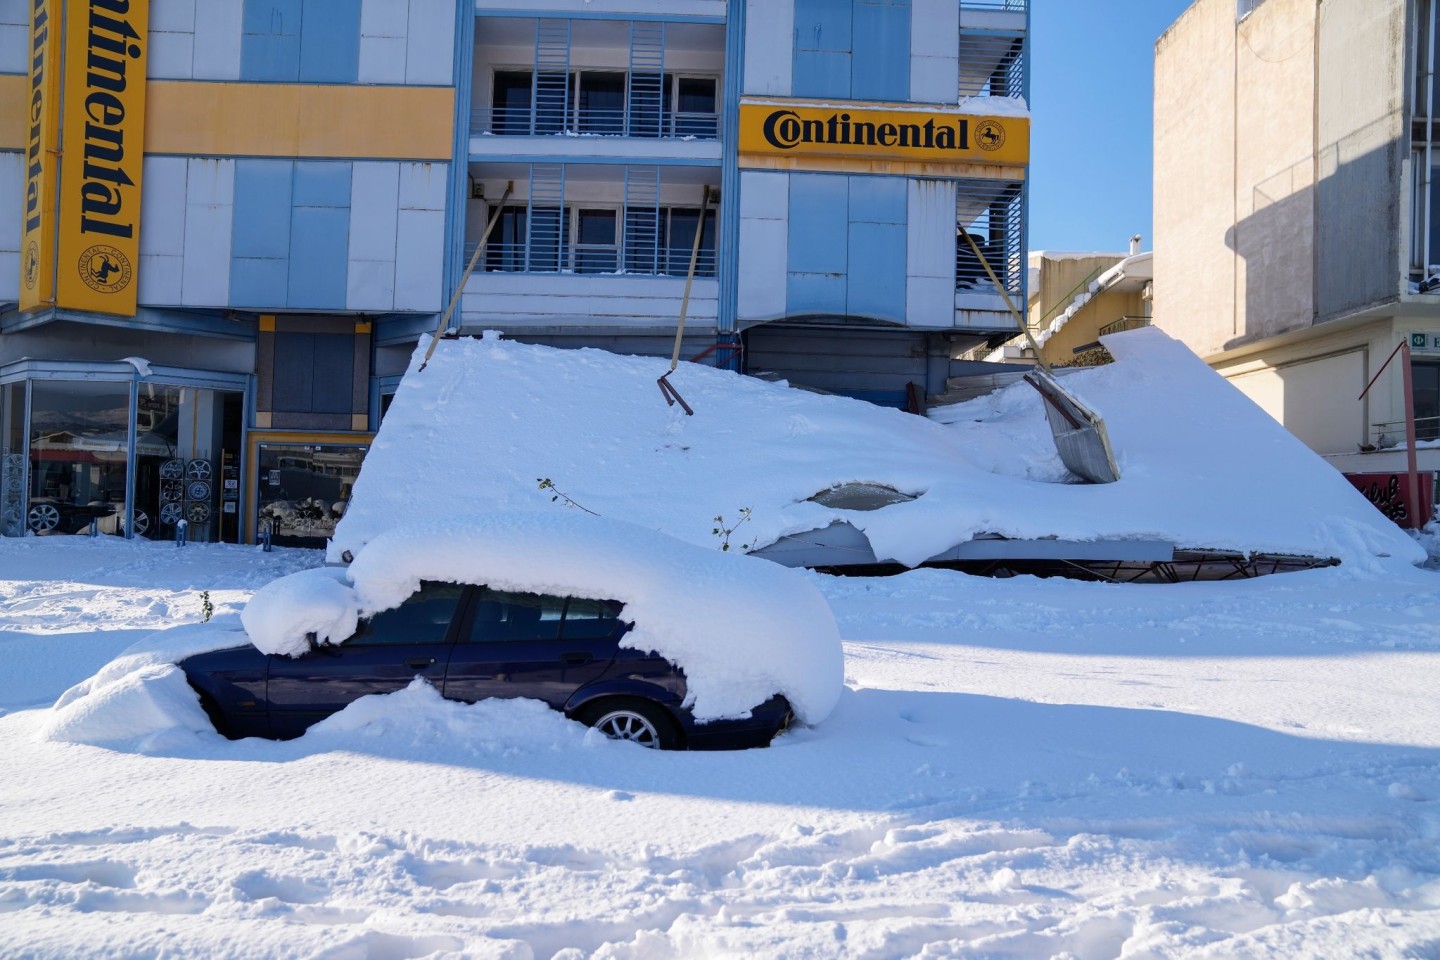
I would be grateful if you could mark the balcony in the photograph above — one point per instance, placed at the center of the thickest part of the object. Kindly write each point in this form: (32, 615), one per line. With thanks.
(552, 87)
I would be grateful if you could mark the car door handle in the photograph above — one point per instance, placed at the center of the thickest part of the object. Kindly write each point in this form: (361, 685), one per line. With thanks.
(420, 663)
(576, 659)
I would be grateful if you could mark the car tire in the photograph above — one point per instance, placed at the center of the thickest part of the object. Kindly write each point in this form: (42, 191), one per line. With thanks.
(638, 721)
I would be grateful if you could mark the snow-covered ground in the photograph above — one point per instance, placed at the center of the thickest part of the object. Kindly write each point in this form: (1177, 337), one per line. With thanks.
(1017, 768)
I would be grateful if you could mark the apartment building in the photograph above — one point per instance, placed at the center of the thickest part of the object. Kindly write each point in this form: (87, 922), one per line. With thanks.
(1297, 213)
(225, 224)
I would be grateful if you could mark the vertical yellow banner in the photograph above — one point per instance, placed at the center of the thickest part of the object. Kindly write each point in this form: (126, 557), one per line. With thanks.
(104, 135)
(42, 115)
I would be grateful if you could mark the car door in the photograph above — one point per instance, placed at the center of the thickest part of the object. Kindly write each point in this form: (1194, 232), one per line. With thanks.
(385, 654)
(531, 645)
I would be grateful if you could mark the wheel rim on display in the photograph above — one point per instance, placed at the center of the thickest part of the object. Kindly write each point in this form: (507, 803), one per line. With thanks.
(197, 490)
(198, 512)
(629, 725)
(141, 522)
(44, 517)
(172, 490)
(171, 513)
(197, 470)
(172, 469)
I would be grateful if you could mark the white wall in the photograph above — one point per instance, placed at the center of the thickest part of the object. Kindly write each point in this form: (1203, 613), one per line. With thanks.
(420, 236)
(769, 47)
(14, 36)
(930, 266)
(195, 39)
(934, 50)
(684, 8)
(1315, 400)
(209, 216)
(764, 245)
(542, 300)
(374, 220)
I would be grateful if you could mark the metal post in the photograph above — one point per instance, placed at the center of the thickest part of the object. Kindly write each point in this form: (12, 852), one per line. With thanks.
(1412, 472)
(181, 527)
(267, 529)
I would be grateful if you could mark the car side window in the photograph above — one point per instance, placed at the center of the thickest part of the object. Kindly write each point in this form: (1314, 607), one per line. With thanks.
(423, 618)
(501, 615)
(590, 619)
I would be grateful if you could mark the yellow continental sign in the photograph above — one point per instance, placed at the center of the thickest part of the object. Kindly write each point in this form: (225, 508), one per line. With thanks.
(877, 131)
(42, 115)
(104, 134)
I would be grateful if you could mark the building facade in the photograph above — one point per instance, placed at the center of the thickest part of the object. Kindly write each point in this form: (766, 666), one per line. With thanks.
(1297, 213)
(225, 224)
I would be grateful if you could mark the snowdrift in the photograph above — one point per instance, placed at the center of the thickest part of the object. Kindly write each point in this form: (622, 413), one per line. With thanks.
(1201, 466)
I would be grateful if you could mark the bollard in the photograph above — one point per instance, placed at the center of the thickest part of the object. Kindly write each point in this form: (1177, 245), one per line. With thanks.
(265, 531)
(181, 527)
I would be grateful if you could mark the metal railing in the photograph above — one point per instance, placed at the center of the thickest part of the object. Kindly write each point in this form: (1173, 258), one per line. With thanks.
(1009, 6)
(1123, 324)
(994, 216)
(1391, 433)
(644, 259)
(614, 122)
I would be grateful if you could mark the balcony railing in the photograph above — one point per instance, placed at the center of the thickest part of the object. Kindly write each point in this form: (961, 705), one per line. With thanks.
(1123, 324)
(548, 121)
(637, 259)
(1009, 6)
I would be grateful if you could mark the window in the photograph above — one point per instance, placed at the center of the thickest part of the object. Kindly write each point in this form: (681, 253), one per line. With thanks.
(639, 239)
(424, 618)
(600, 107)
(1425, 385)
(597, 247)
(504, 616)
(605, 103)
(590, 619)
(679, 241)
(510, 102)
(695, 113)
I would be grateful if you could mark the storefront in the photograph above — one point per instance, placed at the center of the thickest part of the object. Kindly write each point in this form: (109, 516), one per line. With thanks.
(121, 449)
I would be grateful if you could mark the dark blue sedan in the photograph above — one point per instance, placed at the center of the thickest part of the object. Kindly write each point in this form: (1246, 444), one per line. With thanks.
(473, 642)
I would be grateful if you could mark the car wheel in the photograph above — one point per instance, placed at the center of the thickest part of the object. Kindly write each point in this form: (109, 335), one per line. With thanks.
(635, 720)
(44, 517)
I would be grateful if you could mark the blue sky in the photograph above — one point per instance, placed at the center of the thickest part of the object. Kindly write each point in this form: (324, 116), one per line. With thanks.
(1091, 89)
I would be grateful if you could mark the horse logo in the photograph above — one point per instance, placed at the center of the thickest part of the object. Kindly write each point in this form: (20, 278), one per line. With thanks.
(989, 135)
(105, 269)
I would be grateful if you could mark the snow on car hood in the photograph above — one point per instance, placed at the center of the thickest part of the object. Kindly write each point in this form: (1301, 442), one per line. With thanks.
(741, 628)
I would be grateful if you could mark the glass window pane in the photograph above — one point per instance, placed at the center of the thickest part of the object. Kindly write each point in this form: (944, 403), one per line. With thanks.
(696, 95)
(590, 619)
(303, 490)
(12, 460)
(597, 226)
(602, 102)
(79, 456)
(424, 618)
(510, 102)
(505, 616)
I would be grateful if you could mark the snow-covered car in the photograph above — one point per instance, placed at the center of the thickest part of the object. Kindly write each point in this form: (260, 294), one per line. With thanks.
(634, 633)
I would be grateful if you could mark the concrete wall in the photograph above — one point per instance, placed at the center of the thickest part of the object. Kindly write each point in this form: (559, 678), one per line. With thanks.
(1194, 186)
(1363, 143)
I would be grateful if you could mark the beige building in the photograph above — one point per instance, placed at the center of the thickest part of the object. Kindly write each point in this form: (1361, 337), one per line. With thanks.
(1297, 217)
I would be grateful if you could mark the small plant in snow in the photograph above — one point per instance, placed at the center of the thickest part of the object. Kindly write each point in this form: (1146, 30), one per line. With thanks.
(556, 494)
(207, 609)
(724, 532)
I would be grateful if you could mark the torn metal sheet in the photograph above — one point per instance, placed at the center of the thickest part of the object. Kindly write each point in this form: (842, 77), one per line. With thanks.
(1079, 432)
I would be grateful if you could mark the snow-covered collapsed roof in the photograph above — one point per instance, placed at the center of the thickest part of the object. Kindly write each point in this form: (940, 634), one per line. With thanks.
(1201, 466)
(741, 628)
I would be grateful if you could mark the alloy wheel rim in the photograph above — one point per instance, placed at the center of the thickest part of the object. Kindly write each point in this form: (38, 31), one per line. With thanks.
(628, 725)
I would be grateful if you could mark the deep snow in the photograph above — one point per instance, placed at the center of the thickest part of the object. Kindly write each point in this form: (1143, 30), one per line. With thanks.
(1201, 465)
(1014, 768)
(1017, 768)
